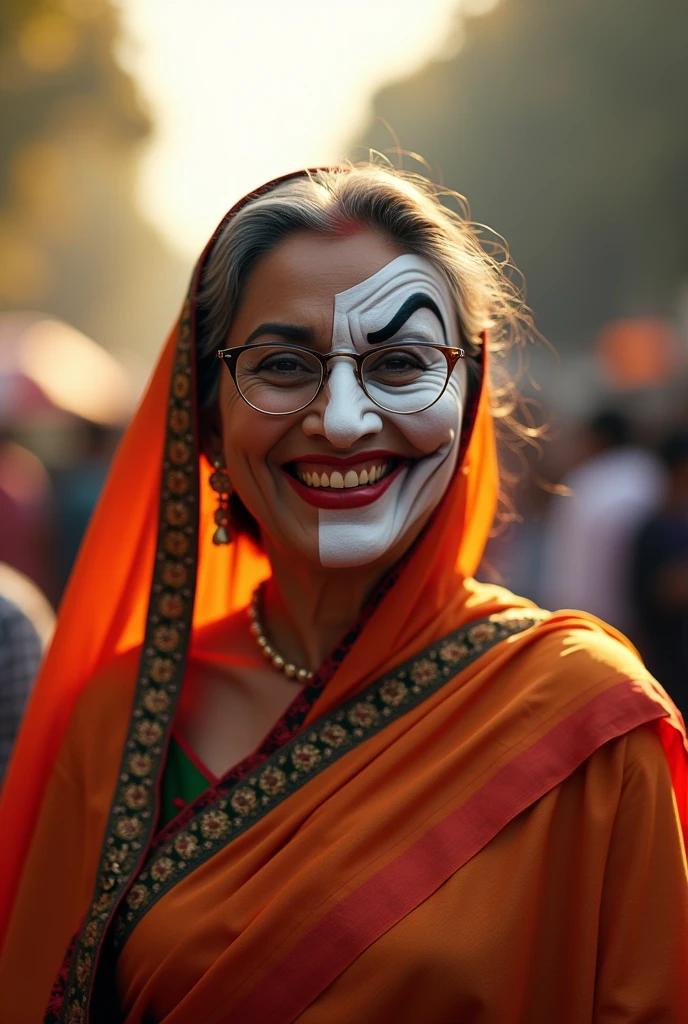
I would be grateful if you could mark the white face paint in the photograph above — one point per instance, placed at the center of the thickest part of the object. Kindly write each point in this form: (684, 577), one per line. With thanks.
(360, 536)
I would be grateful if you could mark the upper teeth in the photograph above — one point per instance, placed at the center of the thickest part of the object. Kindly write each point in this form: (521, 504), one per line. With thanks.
(351, 478)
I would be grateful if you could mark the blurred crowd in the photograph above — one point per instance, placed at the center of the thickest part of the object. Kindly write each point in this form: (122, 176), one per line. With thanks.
(45, 506)
(63, 406)
(601, 524)
(599, 514)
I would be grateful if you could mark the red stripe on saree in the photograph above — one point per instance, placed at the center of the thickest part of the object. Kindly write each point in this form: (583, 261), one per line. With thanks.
(345, 931)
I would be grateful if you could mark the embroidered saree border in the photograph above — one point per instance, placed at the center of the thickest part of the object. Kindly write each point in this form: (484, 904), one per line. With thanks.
(306, 755)
(133, 813)
(291, 722)
(132, 820)
(350, 926)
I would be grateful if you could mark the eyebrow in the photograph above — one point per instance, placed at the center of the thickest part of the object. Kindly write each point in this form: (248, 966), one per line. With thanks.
(419, 300)
(289, 332)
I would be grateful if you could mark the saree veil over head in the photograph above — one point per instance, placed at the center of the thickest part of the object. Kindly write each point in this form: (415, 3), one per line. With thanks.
(104, 609)
(149, 581)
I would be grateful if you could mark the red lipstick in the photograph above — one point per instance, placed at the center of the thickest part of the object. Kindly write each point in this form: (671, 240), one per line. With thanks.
(347, 497)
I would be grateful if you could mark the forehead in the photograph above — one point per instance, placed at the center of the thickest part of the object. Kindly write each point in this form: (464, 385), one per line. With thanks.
(298, 281)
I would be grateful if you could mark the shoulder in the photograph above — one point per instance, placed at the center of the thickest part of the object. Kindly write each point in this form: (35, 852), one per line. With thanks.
(565, 656)
(562, 642)
(573, 641)
(14, 624)
(577, 680)
(572, 657)
(20, 646)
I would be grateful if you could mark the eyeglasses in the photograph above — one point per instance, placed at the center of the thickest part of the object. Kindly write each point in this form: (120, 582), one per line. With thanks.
(282, 379)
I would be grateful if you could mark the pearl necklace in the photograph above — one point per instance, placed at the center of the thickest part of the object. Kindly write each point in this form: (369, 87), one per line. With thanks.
(269, 653)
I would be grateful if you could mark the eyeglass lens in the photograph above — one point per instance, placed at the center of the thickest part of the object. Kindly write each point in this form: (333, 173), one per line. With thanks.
(279, 379)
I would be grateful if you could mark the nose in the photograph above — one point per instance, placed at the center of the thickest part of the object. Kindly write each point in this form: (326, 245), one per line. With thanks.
(342, 412)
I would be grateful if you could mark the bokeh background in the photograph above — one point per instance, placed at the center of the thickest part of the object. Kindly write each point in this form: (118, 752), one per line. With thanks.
(128, 127)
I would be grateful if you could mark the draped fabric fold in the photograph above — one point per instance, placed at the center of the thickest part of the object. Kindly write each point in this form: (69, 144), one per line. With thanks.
(261, 929)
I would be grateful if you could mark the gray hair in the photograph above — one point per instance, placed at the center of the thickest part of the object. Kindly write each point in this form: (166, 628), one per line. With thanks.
(404, 208)
(407, 209)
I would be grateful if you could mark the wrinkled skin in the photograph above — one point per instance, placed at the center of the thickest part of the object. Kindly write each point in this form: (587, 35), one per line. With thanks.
(342, 288)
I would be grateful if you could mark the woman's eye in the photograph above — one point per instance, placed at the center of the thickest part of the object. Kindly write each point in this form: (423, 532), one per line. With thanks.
(285, 364)
(397, 362)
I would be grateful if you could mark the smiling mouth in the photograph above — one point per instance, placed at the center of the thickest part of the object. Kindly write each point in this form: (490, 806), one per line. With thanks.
(343, 483)
(334, 479)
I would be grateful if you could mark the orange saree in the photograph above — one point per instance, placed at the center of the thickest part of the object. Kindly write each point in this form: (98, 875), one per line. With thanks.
(475, 811)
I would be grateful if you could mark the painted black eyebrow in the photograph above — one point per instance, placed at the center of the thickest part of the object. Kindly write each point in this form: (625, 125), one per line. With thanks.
(414, 302)
(289, 332)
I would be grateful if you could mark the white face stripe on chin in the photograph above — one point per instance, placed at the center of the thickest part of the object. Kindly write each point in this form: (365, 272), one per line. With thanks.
(360, 536)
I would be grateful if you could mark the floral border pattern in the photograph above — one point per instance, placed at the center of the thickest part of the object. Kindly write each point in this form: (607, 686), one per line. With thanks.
(301, 759)
(134, 810)
(129, 854)
(291, 721)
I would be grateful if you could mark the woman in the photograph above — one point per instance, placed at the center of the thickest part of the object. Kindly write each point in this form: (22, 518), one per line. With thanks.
(376, 789)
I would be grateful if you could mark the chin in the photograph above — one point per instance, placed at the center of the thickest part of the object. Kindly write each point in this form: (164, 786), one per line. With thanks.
(379, 532)
(349, 560)
(342, 546)
(356, 545)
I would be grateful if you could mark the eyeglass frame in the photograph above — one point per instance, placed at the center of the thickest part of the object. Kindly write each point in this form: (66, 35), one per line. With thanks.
(230, 356)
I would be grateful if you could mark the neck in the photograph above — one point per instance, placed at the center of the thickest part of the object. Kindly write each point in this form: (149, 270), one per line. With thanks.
(307, 609)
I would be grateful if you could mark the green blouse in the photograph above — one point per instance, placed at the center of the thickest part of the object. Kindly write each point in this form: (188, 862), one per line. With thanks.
(183, 780)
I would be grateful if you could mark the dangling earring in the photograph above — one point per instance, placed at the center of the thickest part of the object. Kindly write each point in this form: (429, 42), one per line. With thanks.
(219, 481)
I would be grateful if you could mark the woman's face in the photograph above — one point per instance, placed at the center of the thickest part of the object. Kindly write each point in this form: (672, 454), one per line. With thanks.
(342, 483)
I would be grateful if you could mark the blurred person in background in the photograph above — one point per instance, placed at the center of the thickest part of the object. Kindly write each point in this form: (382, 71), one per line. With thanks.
(63, 398)
(77, 486)
(20, 655)
(284, 740)
(659, 577)
(26, 625)
(26, 514)
(588, 532)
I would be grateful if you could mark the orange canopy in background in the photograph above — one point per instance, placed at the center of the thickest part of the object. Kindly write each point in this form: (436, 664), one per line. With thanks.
(638, 353)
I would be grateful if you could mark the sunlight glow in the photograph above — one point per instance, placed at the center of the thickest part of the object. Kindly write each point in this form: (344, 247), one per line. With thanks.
(241, 92)
(76, 374)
